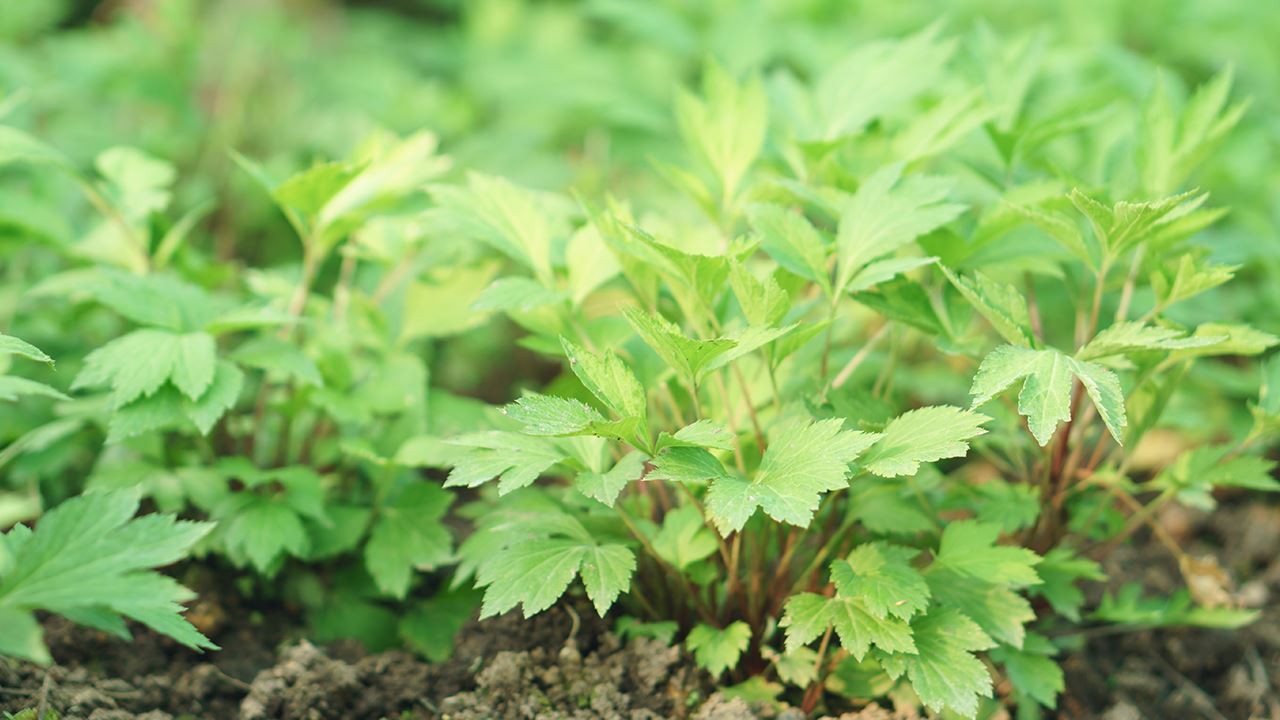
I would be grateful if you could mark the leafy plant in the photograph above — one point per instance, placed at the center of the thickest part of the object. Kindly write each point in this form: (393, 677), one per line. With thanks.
(834, 367)
(713, 456)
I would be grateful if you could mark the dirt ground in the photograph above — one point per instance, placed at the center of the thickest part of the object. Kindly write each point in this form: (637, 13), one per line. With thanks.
(542, 669)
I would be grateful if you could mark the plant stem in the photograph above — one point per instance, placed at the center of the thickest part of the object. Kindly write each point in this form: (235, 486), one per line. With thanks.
(813, 693)
(859, 357)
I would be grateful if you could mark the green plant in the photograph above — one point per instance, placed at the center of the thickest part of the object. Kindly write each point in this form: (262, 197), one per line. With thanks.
(731, 449)
(255, 400)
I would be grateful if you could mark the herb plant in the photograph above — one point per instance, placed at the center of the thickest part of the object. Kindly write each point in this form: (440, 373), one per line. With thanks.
(734, 453)
(836, 367)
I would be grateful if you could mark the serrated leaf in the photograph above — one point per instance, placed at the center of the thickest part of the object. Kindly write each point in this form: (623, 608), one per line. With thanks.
(702, 433)
(516, 460)
(885, 214)
(220, 397)
(608, 379)
(763, 302)
(10, 345)
(688, 464)
(969, 548)
(277, 356)
(684, 538)
(792, 242)
(805, 617)
(91, 553)
(859, 629)
(687, 356)
(534, 574)
(880, 575)
(13, 387)
(1001, 304)
(606, 572)
(1032, 670)
(725, 127)
(944, 672)
(715, 649)
(195, 359)
(999, 611)
(920, 436)
(548, 415)
(507, 217)
(409, 534)
(1127, 337)
(1045, 399)
(804, 459)
(516, 293)
(1059, 570)
(882, 271)
(606, 486)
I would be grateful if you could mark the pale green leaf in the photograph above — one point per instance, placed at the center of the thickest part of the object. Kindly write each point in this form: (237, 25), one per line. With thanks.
(715, 649)
(923, 435)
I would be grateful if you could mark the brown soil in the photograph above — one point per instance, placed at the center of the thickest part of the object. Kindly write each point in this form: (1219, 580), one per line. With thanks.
(545, 669)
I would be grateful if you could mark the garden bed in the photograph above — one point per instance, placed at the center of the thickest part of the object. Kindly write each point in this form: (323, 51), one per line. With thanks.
(545, 668)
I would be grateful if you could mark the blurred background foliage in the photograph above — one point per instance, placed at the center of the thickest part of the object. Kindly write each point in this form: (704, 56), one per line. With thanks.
(577, 96)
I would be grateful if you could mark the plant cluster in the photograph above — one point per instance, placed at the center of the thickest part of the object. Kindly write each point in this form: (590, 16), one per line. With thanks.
(841, 387)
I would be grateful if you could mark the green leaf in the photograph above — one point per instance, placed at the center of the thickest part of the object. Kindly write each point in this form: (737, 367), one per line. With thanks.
(763, 302)
(689, 357)
(1059, 570)
(881, 576)
(13, 387)
(1231, 339)
(1128, 337)
(792, 242)
(871, 82)
(1125, 225)
(969, 548)
(1173, 142)
(10, 345)
(885, 214)
(195, 360)
(1045, 399)
(431, 626)
(1195, 474)
(920, 436)
(591, 263)
(1128, 607)
(999, 611)
(511, 219)
(277, 356)
(409, 534)
(684, 539)
(715, 649)
(264, 532)
(703, 433)
(138, 364)
(859, 629)
(90, 553)
(547, 415)
(798, 667)
(1188, 279)
(220, 397)
(535, 573)
(805, 617)
(1032, 670)
(690, 465)
(515, 459)
(516, 293)
(808, 615)
(443, 304)
(882, 271)
(1000, 303)
(606, 572)
(944, 672)
(605, 487)
(726, 127)
(804, 459)
(608, 379)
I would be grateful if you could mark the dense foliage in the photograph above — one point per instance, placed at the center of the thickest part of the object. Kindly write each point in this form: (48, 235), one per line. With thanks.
(841, 358)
